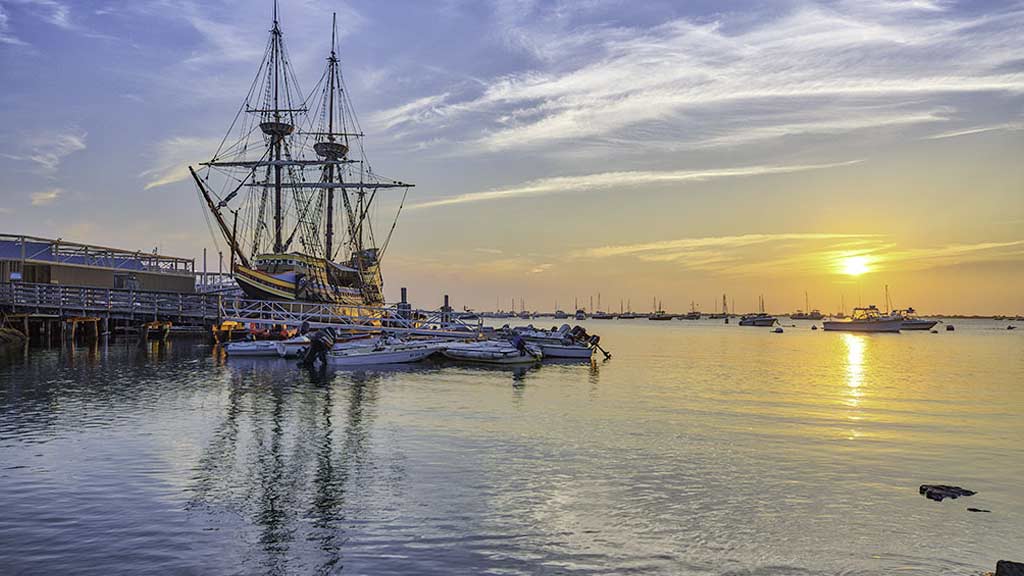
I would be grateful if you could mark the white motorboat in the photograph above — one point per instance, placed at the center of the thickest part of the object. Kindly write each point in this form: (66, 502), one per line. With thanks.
(763, 320)
(868, 319)
(384, 351)
(760, 319)
(560, 343)
(558, 350)
(912, 322)
(492, 352)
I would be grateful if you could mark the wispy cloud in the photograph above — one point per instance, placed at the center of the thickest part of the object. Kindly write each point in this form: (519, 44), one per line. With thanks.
(46, 196)
(1002, 127)
(172, 158)
(607, 180)
(415, 111)
(779, 254)
(6, 36)
(47, 149)
(889, 62)
(669, 250)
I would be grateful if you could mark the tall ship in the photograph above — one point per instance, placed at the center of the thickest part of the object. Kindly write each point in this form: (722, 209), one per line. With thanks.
(291, 191)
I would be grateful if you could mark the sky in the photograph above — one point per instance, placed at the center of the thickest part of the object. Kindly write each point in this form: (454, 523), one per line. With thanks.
(637, 150)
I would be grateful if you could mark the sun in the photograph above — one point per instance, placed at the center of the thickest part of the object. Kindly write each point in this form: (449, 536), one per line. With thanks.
(855, 265)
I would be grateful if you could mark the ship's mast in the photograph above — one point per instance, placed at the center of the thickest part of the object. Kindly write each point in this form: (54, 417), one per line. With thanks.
(276, 138)
(332, 68)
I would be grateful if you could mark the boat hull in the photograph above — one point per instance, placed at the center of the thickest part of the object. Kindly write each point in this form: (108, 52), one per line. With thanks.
(761, 322)
(919, 324)
(380, 357)
(562, 351)
(489, 353)
(259, 348)
(293, 347)
(859, 326)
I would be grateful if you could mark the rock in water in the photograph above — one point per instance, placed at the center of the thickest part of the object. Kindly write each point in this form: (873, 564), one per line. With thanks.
(938, 492)
(1007, 568)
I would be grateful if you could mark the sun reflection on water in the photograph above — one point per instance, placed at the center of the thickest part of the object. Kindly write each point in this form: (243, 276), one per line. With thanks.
(855, 346)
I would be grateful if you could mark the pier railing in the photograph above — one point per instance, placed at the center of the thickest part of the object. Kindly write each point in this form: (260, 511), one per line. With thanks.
(58, 300)
(397, 318)
(66, 301)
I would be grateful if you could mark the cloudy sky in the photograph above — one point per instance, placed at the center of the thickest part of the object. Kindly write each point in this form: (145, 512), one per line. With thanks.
(675, 150)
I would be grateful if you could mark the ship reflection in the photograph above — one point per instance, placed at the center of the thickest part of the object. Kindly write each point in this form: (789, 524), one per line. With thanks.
(284, 458)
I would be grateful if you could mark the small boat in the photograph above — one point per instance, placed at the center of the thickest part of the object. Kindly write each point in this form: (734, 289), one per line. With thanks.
(292, 347)
(492, 352)
(385, 351)
(868, 319)
(659, 313)
(912, 322)
(603, 315)
(581, 314)
(560, 314)
(251, 348)
(565, 342)
(693, 314)
(760, 319)
(812, 315)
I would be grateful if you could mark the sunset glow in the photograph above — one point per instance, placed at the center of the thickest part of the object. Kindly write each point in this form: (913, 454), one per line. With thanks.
(855, 265)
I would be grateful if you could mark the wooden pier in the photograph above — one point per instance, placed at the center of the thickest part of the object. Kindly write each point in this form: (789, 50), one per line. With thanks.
(44, 311)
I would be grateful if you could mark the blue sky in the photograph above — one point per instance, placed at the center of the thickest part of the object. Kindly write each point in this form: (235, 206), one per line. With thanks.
(670, 149)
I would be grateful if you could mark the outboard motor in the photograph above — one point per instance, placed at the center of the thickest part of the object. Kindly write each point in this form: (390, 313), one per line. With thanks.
(320, 342)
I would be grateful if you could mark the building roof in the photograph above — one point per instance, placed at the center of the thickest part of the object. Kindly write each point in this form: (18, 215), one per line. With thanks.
(59, 251)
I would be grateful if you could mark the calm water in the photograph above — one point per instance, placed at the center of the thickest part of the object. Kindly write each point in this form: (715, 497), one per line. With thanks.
(698, 449)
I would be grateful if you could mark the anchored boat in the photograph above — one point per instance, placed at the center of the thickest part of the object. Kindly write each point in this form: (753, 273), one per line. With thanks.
(288, 166)
(760, 319)
(868, 319)
(386, 350)
(493, 352)
(565, 342)
(912, 322)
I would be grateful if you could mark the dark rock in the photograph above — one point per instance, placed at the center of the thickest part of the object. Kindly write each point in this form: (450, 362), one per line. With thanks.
(1007, 568)
(977, 510)
(938, 492)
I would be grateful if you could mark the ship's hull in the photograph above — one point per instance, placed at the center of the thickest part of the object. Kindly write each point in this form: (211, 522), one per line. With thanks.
(300, 278)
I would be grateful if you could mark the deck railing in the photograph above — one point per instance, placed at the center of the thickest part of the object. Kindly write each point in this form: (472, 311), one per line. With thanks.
(23, 297)
(64, 301)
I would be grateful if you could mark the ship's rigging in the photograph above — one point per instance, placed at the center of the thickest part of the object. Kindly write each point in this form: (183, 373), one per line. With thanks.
(291, 176)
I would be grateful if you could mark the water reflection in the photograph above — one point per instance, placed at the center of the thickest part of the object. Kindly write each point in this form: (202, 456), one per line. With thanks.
(275, 458)
(856, 346)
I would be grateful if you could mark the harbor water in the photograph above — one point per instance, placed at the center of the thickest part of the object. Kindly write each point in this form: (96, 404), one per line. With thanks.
(699, 448)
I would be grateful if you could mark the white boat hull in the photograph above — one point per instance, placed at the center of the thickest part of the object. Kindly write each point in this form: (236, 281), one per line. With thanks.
(864, 326)
(369, 357)
(492, 353)
(919, 324)
(761, 322)
(252, 349)
(563, 351)
(293, 347)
